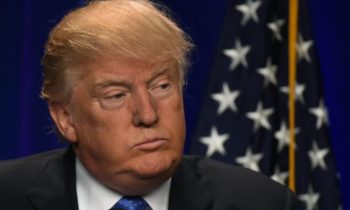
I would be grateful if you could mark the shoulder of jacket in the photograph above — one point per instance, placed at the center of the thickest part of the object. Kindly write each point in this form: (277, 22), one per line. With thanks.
(224, 174)
(23, 172)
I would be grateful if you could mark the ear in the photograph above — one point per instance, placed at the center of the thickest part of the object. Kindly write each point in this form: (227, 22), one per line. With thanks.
(62, 117)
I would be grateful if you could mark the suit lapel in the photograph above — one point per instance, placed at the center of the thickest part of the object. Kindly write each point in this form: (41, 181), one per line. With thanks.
(56, 188)
(188, 190)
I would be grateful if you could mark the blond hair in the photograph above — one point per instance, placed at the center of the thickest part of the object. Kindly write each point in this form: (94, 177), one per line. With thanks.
(120, 29)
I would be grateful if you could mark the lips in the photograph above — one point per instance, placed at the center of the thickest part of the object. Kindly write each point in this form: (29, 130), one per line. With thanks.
(151, 144)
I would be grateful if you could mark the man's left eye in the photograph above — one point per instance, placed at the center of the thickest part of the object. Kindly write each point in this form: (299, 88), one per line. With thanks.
(162, 89)
(164, 86)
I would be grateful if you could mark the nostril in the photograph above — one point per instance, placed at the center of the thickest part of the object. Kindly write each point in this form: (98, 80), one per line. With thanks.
(146, 119)
(145, 113)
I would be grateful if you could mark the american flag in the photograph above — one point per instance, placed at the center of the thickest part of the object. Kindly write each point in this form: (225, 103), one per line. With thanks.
(244, 115)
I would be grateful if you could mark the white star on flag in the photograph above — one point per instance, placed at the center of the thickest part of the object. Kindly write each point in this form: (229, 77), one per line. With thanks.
(321, 114)
(249, 10)
(299, 91)
(303, 48)
(250, 160)
(237, 55)
(279, 176)
(226, 99)
(260, 117)
(310, 199)
(215, 142)
(283, 136)
(269, 73)
(276, 27)
(317, 156)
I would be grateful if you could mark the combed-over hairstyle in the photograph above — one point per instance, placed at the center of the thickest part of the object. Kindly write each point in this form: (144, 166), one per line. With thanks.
(116, 29)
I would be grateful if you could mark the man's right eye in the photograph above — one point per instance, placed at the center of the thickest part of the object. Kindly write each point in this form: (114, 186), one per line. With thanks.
(113, 100)
(117, 96)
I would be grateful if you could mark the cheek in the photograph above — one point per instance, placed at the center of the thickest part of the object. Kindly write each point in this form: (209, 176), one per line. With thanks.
(103, 143)
(91, 118)
(172, 114)
(98, 132)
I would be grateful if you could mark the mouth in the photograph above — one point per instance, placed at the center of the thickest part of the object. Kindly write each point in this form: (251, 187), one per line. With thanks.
(151, 144)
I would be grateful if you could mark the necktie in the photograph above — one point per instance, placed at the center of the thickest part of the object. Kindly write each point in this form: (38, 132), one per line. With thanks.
(131, 203)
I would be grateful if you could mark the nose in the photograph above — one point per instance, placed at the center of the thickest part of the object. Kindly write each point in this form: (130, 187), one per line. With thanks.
(145, 111)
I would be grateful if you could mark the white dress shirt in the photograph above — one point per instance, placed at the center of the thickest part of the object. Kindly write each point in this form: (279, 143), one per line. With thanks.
(93, 195)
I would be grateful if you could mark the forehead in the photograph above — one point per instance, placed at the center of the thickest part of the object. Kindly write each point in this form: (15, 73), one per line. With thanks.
(126, 69)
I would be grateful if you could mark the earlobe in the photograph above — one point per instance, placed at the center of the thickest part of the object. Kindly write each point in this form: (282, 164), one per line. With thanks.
(63, 120)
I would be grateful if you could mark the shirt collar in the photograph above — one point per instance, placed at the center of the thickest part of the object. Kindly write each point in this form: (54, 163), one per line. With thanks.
(93, 195)
(159, 198)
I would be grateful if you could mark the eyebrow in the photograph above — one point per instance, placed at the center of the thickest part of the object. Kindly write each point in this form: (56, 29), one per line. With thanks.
(107, 83)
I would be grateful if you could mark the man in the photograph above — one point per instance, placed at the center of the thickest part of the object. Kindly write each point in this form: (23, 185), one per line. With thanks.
(113, 77)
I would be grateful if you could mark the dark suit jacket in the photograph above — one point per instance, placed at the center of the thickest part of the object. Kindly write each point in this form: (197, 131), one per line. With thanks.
(47, 182)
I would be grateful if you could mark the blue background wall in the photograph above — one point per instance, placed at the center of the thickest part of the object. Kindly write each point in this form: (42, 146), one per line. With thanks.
(25, 126)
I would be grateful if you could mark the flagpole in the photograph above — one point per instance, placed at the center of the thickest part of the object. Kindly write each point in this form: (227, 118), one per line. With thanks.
(292, 53)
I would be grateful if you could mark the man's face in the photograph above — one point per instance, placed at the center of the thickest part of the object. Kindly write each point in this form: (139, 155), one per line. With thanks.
(126, 121)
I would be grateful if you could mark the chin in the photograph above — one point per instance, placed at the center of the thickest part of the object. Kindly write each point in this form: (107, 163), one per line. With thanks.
(158, 164)
(145, 173)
